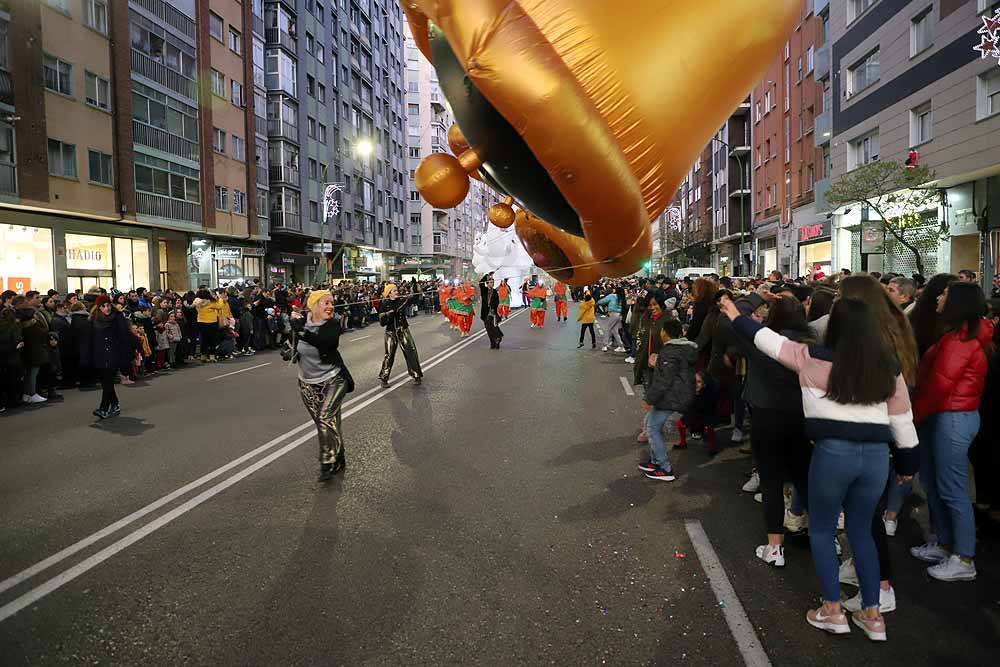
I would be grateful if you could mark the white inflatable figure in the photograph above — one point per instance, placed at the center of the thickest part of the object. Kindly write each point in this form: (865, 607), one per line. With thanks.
(499, 251)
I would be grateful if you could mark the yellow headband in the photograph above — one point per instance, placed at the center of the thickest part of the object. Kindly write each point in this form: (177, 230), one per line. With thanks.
(387, 290)
(314, 298)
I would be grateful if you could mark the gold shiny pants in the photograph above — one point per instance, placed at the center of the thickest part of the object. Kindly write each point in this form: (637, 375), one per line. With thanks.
(404, 341)
(323, 403)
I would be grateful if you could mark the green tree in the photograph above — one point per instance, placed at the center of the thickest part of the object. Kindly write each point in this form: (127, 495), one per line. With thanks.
(896, 194)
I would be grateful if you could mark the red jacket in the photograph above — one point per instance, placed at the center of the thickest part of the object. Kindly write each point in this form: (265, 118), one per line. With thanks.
(952, 373)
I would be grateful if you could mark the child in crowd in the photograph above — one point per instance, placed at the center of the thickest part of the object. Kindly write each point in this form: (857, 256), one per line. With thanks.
(700, 418)
(162, 344)
(174, 336)
(227, 340)
(670, 392)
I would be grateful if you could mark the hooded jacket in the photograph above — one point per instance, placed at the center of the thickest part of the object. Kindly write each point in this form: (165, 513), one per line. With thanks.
(672, 385)
(952, 373)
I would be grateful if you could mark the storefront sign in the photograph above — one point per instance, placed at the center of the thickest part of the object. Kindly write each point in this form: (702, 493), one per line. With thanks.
(92, 253)
(814, 232)
(228, 252)
(872, 238)
(19, 285)
(253, 252)
(301, 260)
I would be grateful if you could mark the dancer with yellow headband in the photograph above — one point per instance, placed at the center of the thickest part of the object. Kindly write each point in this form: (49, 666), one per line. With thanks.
(392, 316)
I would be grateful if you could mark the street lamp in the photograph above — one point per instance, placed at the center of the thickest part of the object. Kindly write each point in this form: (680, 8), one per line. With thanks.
(739, 164)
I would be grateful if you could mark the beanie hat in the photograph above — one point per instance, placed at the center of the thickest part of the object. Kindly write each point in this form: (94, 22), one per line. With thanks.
(314, 297)
(102, 299)
(387, 290)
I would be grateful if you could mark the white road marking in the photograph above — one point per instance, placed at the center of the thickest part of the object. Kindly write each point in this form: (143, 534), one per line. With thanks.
(35, 594)
(242, 370)
(354, 340)
(736, 617)
(627, 387)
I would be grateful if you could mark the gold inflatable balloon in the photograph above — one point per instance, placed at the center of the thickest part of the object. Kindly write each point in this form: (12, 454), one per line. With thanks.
(590, 112)
(502, 214)
(441, 180)
(459, 145)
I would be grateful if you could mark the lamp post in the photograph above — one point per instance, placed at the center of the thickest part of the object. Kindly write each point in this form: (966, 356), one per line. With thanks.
(739, 164)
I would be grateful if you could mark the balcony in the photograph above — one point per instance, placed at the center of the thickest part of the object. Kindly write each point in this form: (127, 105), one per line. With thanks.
(283, 220)
(743, 108)
(161, 140)
(278, 37)
(258, 25)
(276, 128)
(8, 179)
(823, 129)
(157, 72)
(284, 174)
(821, 68)
(6, 88)
(262, 176)
(168, 14)
(159, 206)
(820, 190)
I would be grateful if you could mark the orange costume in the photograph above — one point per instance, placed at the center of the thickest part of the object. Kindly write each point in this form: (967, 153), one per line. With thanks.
(503, 310)
(463, 307)
(538, 296)
(444, 293)
(562, 306)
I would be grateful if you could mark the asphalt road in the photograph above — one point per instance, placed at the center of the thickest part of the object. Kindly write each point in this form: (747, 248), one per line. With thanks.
(493, 515)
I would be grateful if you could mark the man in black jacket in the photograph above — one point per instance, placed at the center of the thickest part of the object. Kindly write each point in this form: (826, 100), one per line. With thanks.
(488, 310)
(392, 316)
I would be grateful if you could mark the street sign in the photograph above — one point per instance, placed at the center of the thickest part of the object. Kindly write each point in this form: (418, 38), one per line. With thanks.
(320, 248)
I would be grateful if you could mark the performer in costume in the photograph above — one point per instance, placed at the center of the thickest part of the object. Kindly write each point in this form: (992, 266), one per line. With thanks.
(488, 310)
(444, 294)
(464, 296)
(562, 306)
(539, 303)
(453, 314)
(392, 316)
(324, 380)
(503, 310)
(525, 289)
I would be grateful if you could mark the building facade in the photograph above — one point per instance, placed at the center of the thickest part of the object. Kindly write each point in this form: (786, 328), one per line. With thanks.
(905, 77)
(440, 241)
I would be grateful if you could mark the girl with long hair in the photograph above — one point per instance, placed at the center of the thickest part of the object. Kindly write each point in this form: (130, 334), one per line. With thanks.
(854, 403)
(924, 318)
(946, 410)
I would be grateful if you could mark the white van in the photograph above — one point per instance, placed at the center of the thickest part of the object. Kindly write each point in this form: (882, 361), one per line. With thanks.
(694, 272)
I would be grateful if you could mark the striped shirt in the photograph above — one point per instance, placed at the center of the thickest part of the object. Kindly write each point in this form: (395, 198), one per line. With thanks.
(887, 421)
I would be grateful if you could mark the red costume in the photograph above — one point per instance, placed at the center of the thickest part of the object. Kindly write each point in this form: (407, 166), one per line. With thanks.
(538, 296)
(562, 306)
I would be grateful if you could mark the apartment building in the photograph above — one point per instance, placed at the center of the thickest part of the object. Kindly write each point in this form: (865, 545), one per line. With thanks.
(906, 77)
(790, 234)
(690, 243)
(440, 240)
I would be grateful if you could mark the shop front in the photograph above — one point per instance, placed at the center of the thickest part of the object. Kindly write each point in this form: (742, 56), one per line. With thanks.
(815, 250)
(767, 256)
(290, 267)
(214, 263)
(26, 258)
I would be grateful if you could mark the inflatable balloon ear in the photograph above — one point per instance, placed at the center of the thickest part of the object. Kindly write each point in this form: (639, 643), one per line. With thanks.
(587, 113)
(502, 215)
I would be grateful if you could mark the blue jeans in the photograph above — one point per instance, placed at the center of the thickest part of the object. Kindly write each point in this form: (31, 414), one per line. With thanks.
(944, 444)
(898, 493)
(655, 419)
(851, 475)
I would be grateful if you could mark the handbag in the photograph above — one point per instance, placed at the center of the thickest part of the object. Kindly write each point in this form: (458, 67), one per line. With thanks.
(223, 321)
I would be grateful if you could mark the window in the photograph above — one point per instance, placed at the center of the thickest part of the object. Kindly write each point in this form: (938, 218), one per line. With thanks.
(856, 8)
(921, 124)
(215, 25)
(239, 202)
(235, 41)
(311, 85)
(413, 109)
(313, 169)
(219, 140)
(810, 59)
(767, 101)
(167, 179)
(313, 211)
(414, 195)
(320, 52)
(788, 87)
(414, 151)
(311, 127)
(810, 178)
(239, 148)
(320, 93)
(218, 83)
(237, 94)
(58, 75)
(62, 159)
(757, 110)
(865, 73)
(988, 93)
(98, 91)
(4, 57)
(788, 139)
(62, 5)
(100, 167)
(221, 198)
(800, 69)
(921, 32)
(863, 150)
(95, 15)
(322, 133)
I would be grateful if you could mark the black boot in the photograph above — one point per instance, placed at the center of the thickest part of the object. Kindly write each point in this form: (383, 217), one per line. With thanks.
(339, 463)
(325, 472)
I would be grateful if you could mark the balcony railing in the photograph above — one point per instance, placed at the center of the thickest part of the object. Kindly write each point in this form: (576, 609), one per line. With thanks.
(276, 128)
(284, 174)
(282, 220)
(8, 179)
(147, 203)
(262, 176)
(146, 67)
(170, 15)
(281, 38)
(821, 68)
(154, 137)
(258, 25)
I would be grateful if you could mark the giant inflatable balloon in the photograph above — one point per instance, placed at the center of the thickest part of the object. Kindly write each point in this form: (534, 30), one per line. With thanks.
(587, 113)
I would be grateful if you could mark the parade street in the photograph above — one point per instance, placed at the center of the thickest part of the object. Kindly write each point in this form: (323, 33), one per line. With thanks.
(493, 515)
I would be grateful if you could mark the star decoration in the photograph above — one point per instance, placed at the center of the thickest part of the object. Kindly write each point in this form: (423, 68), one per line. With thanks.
(987, 47)
(991, 25)
(989, 43)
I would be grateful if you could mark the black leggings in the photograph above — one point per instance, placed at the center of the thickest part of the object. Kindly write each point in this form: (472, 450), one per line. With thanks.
(782, 452)
(209, 335)
(108, 395)
(584, 328)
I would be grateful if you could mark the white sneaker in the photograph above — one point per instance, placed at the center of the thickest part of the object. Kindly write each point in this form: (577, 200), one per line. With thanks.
(835, 624)
(629, 360)
(604, 349)
(886, 601)
(836, 544)
(753, 484)
(840, 521)
(929, 553)
(953, 568)
(758, 497)
(874, 628)
(796, 523)
(772, 554)
(890, 525)
(37, 399)
(847, 574)
(619, 349)
(737, 435)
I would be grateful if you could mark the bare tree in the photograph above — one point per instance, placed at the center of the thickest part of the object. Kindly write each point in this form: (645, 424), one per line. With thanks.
(896, 193)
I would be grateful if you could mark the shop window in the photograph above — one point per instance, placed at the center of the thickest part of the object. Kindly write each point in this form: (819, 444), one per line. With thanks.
(27, 258)
(164, 272)
(131, 263)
